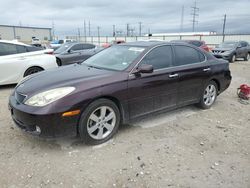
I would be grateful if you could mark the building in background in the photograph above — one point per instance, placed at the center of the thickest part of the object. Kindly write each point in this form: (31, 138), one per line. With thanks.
(24, 34)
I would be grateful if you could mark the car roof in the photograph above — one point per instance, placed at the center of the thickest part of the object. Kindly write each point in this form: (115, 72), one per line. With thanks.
(13, 42)
(144, 43)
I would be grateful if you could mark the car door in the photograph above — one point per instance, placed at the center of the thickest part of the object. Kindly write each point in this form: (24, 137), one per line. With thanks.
(11, 63)
(193, 71)
(155, 91)
(88, 51)
(74, 54)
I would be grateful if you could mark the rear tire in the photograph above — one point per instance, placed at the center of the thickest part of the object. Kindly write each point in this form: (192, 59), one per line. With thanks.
(209, 95)
(32, 70)
(99, 122)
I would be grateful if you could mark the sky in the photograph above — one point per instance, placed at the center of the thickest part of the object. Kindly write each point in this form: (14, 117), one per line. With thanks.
(156, 16)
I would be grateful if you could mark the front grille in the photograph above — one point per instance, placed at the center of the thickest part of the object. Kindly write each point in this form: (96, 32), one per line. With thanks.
(20, 97)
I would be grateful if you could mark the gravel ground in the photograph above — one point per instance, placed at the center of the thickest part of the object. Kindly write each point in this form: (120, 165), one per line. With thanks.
(187, 147)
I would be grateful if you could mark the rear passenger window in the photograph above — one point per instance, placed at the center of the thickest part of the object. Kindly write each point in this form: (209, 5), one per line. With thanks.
(77, 47)
(185, 55)
(7, 49)
(88, 46)
(160, 57)
(21, 49)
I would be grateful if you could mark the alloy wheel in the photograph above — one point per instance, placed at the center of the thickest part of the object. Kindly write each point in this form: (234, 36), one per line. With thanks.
(101, 122)
(209, 95)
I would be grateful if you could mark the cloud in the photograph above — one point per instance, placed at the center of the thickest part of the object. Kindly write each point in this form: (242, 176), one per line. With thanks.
(158, 15)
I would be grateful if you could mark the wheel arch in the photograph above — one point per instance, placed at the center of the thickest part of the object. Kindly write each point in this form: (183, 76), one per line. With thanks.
(218, 84)
(32, 67)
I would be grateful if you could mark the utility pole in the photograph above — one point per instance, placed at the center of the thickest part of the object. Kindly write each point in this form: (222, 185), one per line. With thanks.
(85, 31)
(195, 14)
(127, 30)
(224, 27)
(182, 18)
(114, 31)
(98, 34)
(53, 30)
(79, 34)
(89, 28)
(140, 23)
(149, 32)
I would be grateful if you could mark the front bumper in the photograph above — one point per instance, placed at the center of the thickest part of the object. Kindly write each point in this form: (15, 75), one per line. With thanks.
(220, 56)
(47, 125)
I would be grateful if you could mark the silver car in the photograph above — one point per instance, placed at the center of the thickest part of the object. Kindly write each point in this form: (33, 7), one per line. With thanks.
(75, 52)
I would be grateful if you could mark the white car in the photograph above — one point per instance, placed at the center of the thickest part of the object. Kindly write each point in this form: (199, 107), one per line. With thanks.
(18, 60)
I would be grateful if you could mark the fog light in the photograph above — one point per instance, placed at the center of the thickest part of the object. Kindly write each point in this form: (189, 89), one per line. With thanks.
(38, 130)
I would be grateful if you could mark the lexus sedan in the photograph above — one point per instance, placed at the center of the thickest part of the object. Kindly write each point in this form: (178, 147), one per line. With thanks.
(115, 86)
(75, 52)
(231, 50)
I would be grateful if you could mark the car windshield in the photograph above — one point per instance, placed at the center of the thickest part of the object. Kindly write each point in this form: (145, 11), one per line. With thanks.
(63, 48)
(115, 58)
(228, 45)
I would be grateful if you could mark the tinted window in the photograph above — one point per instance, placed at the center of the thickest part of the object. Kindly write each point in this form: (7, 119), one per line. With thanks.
(7, 49)
(33, 48)
(187, 55)
(76, 47)
(160, 57)
(88, 46)
(21, 49)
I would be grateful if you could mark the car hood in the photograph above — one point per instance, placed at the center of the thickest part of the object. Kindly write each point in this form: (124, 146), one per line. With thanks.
(76, 75)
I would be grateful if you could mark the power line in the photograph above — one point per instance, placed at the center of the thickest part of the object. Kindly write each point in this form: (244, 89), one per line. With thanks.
(194, 14)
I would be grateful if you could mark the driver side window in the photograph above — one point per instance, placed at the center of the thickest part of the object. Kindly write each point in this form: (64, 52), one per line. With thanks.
(160, 57)
(76, 47)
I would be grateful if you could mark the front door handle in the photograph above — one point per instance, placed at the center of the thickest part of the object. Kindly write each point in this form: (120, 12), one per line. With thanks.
(206, 69)
(173, 75)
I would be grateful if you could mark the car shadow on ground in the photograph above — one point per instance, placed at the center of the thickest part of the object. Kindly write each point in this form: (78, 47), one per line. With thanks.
(11, 86)
(149, 121)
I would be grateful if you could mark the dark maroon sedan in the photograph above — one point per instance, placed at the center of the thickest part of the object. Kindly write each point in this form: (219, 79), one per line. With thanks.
(115, 86)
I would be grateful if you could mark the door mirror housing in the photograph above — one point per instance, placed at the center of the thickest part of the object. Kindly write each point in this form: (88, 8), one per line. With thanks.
(239, 46)
(144, 68)
(70, 51)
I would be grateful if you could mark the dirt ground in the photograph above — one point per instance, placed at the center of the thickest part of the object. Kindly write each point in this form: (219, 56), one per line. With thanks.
(187, 147)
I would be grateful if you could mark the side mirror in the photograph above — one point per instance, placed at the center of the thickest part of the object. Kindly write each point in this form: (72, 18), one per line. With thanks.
(144, 68)
(239, 46)
(70, 51)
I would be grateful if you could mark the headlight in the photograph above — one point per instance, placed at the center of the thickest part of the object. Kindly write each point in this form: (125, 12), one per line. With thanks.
(227, 52)
(47, 97)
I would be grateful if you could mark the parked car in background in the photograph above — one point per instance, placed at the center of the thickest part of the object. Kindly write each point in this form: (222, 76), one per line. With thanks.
(114, 42)
(75, 52)
(197, 43)
(58, 43)
(18, 60)
(116, 85)
(231, 50)
(36, 42)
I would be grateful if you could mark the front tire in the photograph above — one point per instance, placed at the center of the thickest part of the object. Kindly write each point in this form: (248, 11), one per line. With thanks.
(209, 95)
(99, 122)
(233, 59)
(247, 57)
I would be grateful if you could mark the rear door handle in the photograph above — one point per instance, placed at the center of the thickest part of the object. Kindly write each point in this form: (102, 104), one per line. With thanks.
(206, 69)
(173, 75)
